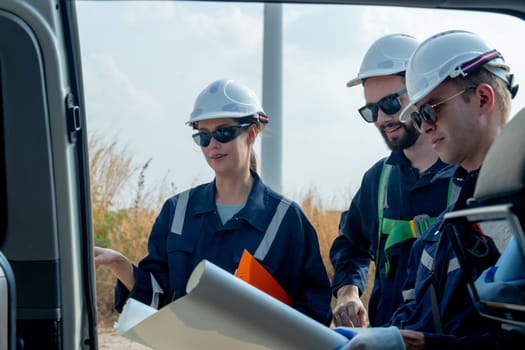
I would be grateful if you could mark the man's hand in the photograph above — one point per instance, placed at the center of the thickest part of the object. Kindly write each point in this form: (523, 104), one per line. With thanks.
(413, 340)
(381, 338)
(349, 310)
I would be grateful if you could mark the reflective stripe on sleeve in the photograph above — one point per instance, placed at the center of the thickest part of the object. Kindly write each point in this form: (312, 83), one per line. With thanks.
(427, 260)
(156, 291)
(453, 265)
(409, 294)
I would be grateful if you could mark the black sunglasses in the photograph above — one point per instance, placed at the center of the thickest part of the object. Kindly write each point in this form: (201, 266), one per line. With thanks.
(427, 112)
(389, 104)
(223, 134)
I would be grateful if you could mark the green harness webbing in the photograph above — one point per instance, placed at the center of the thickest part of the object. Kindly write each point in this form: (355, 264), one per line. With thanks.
(401, 230)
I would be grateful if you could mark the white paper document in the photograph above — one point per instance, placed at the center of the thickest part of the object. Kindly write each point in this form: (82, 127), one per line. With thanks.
(220, 311)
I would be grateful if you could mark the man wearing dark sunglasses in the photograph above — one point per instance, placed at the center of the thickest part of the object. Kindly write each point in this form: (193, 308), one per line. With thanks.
(463, 107)
(399, 195)
(465, 102)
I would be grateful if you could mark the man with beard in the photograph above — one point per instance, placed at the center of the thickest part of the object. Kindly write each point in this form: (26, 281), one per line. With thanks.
(398, 199)
(460, 95)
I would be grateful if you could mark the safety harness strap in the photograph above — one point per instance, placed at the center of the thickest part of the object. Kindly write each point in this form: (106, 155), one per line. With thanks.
(453, 192)
(381, 204)
(401, 230)
(436, 314)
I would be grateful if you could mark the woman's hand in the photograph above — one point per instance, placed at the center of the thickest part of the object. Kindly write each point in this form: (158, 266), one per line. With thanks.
(119, 264)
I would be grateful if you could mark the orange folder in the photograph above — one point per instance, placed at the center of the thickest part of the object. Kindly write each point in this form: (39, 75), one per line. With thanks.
(252, 272)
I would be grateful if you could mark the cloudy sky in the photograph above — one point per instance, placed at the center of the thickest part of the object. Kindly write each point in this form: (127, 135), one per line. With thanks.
(145, 62)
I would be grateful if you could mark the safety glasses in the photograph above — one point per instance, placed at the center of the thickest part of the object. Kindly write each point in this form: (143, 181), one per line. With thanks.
(389, 104)
(428, 113)
(223, 134)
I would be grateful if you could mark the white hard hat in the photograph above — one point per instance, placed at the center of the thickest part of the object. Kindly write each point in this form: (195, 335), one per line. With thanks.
(448, 55)
(387, 55)
(226, 99)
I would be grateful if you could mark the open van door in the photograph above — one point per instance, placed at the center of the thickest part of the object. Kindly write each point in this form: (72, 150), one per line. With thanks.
(47, 283)
(45, 218)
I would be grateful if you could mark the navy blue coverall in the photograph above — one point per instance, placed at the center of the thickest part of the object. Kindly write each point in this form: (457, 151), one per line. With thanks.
(293, 257)
(433, 262)
(408, 194)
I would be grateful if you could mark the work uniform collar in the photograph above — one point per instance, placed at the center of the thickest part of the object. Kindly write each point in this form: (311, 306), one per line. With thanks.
(254, 212)
(467, 181)
(437, 171)
(461, 175)
(443, 170)
(398, 158)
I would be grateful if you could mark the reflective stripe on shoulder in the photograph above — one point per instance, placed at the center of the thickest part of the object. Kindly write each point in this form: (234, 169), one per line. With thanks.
(180, 212)
(427, 260)
(272, 229)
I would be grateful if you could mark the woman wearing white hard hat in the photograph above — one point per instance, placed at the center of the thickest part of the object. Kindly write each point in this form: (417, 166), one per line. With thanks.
(218, 220)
